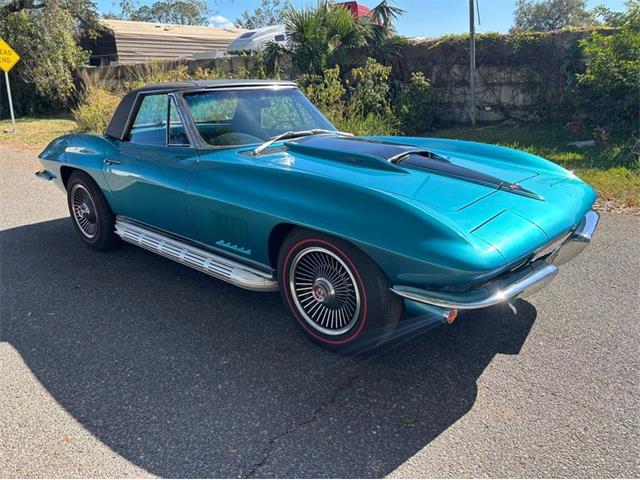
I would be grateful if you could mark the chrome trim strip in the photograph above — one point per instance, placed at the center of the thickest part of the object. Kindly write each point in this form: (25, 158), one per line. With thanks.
(527, 281)
(222, 268)
(78, 150)
(400, 156)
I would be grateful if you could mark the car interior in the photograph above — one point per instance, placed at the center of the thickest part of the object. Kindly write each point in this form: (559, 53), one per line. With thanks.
(224, 118)
(245, 117)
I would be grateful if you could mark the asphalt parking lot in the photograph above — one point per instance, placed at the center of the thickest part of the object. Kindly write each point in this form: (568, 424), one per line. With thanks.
(127, 364)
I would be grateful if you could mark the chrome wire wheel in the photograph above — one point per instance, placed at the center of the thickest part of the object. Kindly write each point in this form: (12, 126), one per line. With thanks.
(324, 291)
(84, 211)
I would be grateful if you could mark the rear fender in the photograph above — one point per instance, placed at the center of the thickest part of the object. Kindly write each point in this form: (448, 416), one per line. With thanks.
(77, 151)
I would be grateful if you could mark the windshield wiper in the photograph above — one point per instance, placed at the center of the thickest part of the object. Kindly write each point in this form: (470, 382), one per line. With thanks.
(296, 134)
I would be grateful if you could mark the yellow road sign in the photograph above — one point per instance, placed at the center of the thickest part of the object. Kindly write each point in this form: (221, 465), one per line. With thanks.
(8, 57)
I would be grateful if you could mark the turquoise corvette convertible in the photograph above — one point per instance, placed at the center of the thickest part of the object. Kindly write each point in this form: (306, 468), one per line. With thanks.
(247, 181)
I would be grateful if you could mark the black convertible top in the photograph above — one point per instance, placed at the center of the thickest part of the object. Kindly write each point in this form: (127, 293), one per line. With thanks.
(118, 125)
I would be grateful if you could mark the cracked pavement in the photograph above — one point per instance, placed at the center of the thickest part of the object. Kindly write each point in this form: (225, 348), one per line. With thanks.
(126, 364)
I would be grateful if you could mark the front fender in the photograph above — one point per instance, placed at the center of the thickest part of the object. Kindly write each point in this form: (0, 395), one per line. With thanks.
(412, 243)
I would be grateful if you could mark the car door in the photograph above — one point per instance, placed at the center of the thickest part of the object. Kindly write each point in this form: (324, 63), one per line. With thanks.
(227, 193)
(148, 172)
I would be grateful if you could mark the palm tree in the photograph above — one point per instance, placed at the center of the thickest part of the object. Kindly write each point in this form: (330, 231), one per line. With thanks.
(385, 14)
(330, 35)
(319, 38)
(384, 44)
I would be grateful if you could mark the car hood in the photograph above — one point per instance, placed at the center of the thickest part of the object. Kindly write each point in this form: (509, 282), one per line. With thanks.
(440, 178)
(493, 194)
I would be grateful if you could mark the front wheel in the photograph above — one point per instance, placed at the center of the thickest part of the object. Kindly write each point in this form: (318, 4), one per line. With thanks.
(338, 296)
(91, 215)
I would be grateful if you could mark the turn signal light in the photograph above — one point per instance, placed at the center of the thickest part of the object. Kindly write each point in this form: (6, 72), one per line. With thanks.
(451, 315)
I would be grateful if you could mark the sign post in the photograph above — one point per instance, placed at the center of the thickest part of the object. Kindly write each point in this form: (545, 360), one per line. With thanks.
(8, 58)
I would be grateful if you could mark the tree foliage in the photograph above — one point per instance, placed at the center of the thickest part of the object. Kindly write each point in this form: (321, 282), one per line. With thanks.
(609, 88)
(630, 17)
(45, 35)
(547, 15)
(270, 12)
(180, 12)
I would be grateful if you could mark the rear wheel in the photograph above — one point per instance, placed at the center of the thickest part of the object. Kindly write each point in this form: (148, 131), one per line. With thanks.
(338, 296)
(91, 215)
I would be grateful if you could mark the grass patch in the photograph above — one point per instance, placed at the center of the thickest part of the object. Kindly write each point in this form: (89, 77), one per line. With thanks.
(612, 167)
(35, 133)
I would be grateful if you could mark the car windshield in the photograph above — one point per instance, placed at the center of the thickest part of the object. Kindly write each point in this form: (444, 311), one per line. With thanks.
(252, 115)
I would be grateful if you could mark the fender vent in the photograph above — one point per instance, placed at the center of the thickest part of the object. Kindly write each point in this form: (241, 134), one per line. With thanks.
(230, 232)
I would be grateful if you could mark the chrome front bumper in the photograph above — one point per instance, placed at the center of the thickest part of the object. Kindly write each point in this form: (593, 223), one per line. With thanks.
(578, 240)
(522, 282)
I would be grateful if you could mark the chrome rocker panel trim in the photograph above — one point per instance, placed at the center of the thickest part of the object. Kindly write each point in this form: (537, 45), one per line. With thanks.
(522, 282)
(215, 265)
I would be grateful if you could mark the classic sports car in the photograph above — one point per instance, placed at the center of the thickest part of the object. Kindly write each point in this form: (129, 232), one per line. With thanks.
(246, 181)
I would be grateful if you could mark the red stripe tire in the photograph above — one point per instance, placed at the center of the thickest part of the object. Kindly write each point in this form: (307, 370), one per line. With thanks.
(338, 296)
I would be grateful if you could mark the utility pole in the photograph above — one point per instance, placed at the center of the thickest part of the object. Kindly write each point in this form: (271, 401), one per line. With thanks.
(472, 63)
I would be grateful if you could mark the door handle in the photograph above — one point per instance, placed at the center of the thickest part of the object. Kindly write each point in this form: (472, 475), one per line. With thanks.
(111, 162)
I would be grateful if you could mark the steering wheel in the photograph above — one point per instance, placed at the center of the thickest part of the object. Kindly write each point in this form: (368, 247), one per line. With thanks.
(236, 138)
(285, 125)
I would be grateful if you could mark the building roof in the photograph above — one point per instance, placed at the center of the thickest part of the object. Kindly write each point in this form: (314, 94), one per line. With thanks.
(137, 42)
(119, 122)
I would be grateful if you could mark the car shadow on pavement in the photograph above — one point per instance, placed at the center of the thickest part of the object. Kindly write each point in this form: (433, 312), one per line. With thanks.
(187, 376)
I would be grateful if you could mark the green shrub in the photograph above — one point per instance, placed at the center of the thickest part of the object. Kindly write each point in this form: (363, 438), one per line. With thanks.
(369, 92)
(370, 124)
(366, 113)
(368, 110)
(607, 94)
(416, 108)
(95, 111)
(158, 72)
(325, 92)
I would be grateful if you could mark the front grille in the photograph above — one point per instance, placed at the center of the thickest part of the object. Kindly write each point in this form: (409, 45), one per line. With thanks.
(551, 247)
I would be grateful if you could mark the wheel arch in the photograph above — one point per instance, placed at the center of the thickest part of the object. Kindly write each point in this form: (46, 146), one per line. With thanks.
(65, 174)
(282, 230)
(276, 238)
(66, 171)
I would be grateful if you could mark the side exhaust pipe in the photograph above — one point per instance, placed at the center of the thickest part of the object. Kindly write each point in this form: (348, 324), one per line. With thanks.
(430, 313)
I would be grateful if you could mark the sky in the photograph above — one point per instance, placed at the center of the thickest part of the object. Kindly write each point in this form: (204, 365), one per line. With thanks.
(422, 18)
